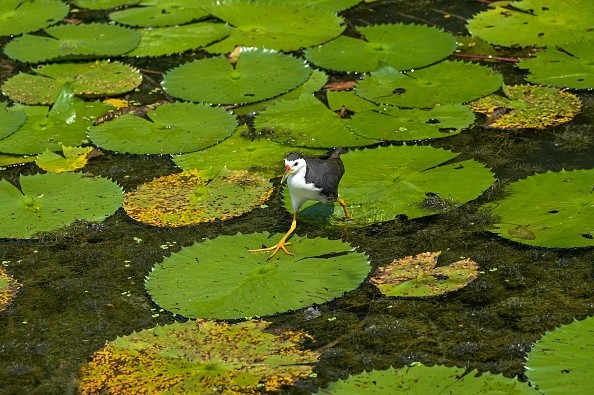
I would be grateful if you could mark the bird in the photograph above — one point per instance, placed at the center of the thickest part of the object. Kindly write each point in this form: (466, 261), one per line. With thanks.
(310, 178)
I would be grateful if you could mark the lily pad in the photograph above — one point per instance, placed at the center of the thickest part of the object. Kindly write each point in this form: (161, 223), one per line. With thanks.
(239, 152)
(401, 46)
(11, 119)
(382, 183)
(176, 39)
(528, 106)
(18, 17)
(257, 75)
(390, 123)
(553, 209)
(103, 4)
(100, 78)
(14, 160)
(8, 288)
(190, 197)
(219, 278)
(417, 276)
(561, 361)
(82, 41)
(197, 357)
(46, 202)
(534, 23)
(444, 83)
(283, 27)
(564, 66)
(333, 5)
(306, 122)
(170, 129)
(420, 379)
(74, 158)
(159, 13)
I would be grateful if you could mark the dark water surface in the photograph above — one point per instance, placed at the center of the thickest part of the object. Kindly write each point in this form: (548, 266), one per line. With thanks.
(84, 285)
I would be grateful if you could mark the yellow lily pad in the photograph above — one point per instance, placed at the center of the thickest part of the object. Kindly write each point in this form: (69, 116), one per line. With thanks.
(74, 158)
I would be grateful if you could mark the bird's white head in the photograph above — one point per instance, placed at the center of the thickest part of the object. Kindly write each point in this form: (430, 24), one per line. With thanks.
(294, 163)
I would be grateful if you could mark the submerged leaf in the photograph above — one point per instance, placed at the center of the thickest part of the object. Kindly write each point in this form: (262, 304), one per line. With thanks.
(220, 278)
(8, 288)
(19, 16)
(74, 158)
(198, 358)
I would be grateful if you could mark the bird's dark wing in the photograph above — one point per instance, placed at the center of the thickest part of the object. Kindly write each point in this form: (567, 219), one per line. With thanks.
(325, 174)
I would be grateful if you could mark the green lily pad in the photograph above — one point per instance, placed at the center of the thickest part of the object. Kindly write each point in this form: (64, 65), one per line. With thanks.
(103, 4)
(190, 197)
(100, 78)
(418, 276)
(170, 129)
(528, 106)
(383, 183)
(534, 23)
(159, 13)
(8, 288)
(239, 152)
(564, 66)
(402, 46)
(158, 41)
(258, 75)
(553, 209)
(420, 379)
(561, 361)
(202, 357)
(7, 160)
(18, 17)
(82, 41)
(444, 83)
(391, 123)
(74, 158)
(332, 5)
(46, 202)
(306, 122)
(283, 27)
(11, 119)
(219, 278)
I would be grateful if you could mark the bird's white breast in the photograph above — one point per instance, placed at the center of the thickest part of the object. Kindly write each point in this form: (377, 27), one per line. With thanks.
(301, 191)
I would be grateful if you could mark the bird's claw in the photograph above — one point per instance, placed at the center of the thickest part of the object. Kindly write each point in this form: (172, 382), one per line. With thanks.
(275, 248)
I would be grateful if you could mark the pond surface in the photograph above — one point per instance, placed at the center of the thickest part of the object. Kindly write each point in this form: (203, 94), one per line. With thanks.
(84, 285)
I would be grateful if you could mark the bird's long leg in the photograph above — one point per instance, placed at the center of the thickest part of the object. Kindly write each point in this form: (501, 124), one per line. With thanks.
(281, 245)
(344, 207)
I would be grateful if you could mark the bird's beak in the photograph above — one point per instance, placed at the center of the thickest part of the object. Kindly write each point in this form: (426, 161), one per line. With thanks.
(288, 171)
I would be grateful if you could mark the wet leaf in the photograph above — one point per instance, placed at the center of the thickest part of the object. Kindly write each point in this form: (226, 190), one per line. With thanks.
(19, 16)
(74, 158)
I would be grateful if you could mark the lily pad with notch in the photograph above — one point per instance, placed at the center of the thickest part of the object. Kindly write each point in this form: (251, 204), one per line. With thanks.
(20, 17)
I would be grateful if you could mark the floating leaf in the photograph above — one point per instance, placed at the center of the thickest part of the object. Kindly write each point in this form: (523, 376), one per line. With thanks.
(553, 209)
(17, 16)
(103, 4)
(420, 379)
(402, 46)
(283, 26)
(561, 361)
(332, 5)
(101, 78)
(73, 42)
(46, 202)
(198, 358)
(74, 158)
(11, 119)
(238, 152)
(158, 13)
(444, 83)
(415, 276)
(168, 40)
(528, 106)
(534, 23)
(380, 184)
(8, 288)
(258, 75)
(171, 128)
(565, 66)
(219, 278)
(306, 122)
(189, 197)
(13, 160)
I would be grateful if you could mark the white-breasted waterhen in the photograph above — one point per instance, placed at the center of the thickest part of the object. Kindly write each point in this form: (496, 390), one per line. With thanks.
(310, 178)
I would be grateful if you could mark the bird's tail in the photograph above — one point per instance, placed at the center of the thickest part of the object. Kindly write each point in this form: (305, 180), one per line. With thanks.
(336, 153)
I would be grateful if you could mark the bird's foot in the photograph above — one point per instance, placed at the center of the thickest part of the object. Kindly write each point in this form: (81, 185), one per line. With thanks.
(281, 245)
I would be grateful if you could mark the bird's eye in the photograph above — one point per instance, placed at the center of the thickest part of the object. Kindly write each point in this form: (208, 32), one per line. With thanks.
(295, 164)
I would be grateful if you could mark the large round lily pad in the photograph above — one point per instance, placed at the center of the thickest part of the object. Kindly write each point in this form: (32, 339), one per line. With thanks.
(219, 278)
(257, 75)
(46, 202)
(197, 357)
(171, 128)
(402, 46)
(561, 361)
(382, 183)
(286, 27)
(444, 83)
(191, 197)
(18, 16)
(553, 209)
(158, 13)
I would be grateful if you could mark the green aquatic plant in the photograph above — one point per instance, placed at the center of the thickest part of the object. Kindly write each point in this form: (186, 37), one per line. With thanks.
(11, 119)
(332, 5)
(103, 4)
(72, 158)
(20, 17)
(159, 13)
(220, 278)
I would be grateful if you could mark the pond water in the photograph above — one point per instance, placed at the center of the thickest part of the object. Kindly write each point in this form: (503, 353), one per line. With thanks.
(84, 285)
